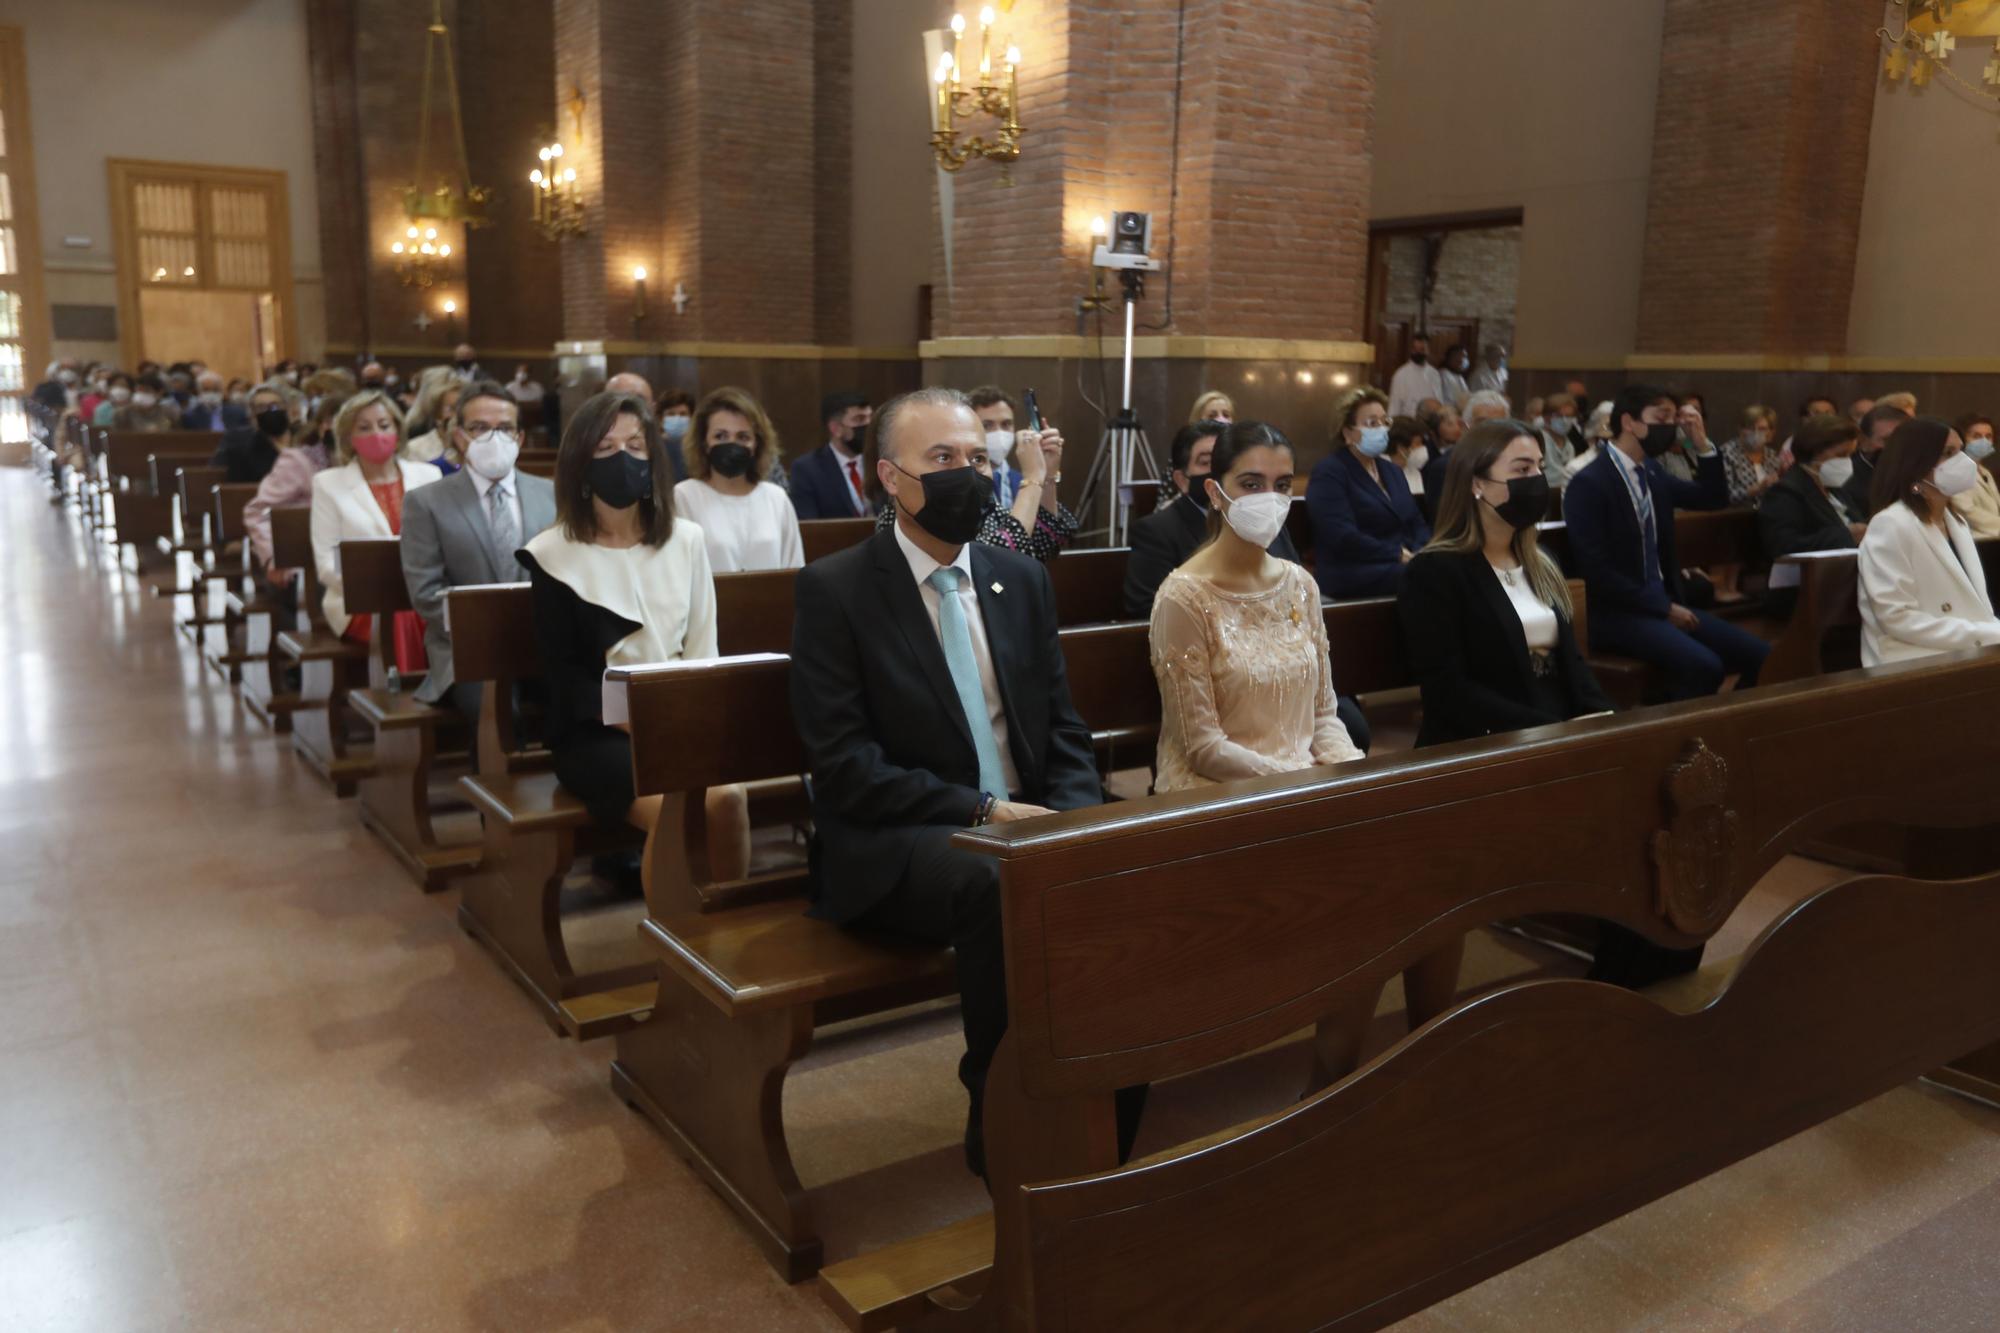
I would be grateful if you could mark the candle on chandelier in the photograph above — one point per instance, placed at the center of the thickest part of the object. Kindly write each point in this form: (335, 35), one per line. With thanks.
(957, 35)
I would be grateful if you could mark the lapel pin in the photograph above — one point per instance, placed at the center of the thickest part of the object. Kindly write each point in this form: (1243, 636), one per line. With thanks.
(998, 589)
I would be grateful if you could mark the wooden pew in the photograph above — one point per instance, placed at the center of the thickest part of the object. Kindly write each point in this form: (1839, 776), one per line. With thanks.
(253, 616)
(745, 976)
(1522, 1117)
(824, 536)
(394, 795)
(1827, 602)
(329, 665)
(537, 462)
(192, 549)
(142, 514)
(533, 830)
(1089, 585)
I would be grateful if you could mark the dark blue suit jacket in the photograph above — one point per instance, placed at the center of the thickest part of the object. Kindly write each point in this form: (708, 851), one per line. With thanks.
(819, 490)
(1605, 542)
(228, 416)
(1360, 530)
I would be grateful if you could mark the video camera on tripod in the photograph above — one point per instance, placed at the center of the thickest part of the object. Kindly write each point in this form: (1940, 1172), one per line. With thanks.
(1123, 452)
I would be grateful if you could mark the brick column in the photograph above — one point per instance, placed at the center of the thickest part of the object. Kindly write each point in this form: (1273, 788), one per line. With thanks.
(1245, 131)
(719, 159)
(1760, 155)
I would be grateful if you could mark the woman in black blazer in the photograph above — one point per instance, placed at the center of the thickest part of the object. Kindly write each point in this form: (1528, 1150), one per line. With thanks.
(1806, 511)
(1486, 614)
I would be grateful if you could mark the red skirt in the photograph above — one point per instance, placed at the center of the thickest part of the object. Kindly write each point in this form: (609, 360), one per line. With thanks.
(407, 631)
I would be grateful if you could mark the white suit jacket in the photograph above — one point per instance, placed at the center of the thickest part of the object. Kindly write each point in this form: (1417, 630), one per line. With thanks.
(1921, 592)
(344, 509)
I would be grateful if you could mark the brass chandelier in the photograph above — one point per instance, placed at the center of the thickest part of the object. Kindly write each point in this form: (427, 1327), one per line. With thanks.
(1930, 31)
(420, 253)
(987, 97)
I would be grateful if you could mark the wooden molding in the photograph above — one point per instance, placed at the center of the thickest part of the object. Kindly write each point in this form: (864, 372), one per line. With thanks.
(722, 350)
(1762, 363)
(1172, 347)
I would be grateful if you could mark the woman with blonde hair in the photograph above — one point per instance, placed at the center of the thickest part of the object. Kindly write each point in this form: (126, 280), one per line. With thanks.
(431, 415)
(361, 495)
(747, 522)
(1212, 406)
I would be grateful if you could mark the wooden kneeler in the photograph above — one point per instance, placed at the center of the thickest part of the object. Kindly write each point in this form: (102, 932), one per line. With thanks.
(394, 795)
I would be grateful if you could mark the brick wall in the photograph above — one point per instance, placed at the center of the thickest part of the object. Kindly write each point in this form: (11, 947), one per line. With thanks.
(1760, 156)
(1266, 218)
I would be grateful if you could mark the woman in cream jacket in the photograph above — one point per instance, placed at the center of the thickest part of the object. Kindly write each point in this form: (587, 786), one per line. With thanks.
(361, 493)
(1923, 589)
(1980, 506)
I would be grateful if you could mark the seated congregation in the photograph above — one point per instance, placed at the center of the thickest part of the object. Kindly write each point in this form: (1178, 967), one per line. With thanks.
(877, 728)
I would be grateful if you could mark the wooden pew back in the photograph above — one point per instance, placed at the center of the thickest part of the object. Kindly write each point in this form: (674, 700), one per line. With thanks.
(192, 485)
(492, 628)
(1525, 1116)
(1827, 601)
(291, 548)
(753, 611)
(1089, 585)
(128, 454)
(371, 584)
(226, 513)
(824, 536)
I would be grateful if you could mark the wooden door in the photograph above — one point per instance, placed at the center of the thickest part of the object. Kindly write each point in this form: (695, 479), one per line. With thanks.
(24, 312)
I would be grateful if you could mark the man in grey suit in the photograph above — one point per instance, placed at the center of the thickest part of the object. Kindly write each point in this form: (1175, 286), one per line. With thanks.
(469, 530)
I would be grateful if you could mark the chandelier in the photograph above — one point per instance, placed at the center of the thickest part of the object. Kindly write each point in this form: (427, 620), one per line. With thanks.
(1930, 31)
(420, 253)
(956, 100)
(558, 205)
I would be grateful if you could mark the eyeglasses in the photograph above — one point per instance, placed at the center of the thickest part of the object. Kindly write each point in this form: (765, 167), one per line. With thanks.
(505, 434)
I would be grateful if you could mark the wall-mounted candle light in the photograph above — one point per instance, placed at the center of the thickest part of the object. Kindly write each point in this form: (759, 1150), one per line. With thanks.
(638, 293)
(1096, 298)
(450, 308)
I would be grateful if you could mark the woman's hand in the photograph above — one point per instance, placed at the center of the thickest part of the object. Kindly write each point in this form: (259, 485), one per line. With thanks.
(1051, 450)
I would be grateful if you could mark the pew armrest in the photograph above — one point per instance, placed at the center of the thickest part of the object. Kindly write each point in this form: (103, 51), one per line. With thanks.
(320, 646)
(393, 710)
(525, 802)
(887, 1288)
(773, 956)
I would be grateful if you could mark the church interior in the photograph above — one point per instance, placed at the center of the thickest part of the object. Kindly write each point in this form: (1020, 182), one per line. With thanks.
(1047, 665)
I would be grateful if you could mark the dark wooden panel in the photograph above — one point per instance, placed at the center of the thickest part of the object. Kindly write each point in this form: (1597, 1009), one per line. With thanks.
(493, 632)
(824, 536)
(371, 576)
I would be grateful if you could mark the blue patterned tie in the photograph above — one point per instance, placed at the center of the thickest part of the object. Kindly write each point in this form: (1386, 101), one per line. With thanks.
(957, 641)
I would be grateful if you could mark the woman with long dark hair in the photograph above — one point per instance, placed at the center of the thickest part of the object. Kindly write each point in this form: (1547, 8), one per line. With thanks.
(1486, 612)
(618, 581)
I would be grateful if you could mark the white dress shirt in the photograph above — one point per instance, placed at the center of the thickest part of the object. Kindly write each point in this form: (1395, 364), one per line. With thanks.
(843, 457)
(511, 497)
(921, 568)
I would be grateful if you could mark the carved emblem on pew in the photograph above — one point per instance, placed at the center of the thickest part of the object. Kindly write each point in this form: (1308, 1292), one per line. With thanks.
(1693, 854)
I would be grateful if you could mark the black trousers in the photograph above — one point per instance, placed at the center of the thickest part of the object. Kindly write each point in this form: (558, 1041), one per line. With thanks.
(948, 896)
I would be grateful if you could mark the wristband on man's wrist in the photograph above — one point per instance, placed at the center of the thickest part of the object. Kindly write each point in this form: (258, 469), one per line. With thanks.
(982, 814)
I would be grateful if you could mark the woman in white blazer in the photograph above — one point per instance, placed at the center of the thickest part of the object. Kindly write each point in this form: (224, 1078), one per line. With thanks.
(1923, 589)
(361, 495)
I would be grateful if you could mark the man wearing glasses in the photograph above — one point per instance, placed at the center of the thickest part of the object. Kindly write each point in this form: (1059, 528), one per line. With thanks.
(469, 531)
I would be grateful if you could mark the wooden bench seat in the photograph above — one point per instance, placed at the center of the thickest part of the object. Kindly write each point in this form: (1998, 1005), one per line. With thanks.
(823, 536)
(1527, 1114)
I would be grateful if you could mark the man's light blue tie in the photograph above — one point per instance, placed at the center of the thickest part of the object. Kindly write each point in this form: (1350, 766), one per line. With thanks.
(957, 641)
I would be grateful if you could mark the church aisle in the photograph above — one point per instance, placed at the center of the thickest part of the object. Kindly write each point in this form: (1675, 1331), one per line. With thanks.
(251, 1079)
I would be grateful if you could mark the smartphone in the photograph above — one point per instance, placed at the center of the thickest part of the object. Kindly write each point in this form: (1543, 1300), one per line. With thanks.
(1034, 410)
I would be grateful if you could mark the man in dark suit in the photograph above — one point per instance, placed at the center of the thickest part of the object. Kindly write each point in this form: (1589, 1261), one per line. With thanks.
(832, 480)
(1620, 514)
(928, 687)
(995, 411)
(1877, 426)
(209, 412)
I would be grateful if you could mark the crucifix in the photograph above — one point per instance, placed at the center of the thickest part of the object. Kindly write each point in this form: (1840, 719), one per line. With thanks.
(422, 321)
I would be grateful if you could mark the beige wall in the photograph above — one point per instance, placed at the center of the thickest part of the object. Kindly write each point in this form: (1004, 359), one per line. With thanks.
(220, 82)
(1924, 283)
(1543, 105)
(892, 175)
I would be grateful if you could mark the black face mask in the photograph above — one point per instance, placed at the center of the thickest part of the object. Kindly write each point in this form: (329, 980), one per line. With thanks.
(729, 460)
(621, 480)
(465, 365)
(1527, 501)
(273, 421)
(1420, 358)
(1660, 439)
(1197, 491)
(954, 503)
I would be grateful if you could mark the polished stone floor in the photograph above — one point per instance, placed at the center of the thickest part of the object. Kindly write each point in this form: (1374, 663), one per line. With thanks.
(251, 1079)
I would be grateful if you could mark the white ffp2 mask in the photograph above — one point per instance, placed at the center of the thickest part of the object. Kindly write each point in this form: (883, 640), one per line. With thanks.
(1259, 518)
